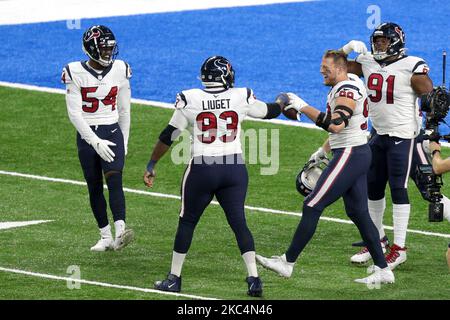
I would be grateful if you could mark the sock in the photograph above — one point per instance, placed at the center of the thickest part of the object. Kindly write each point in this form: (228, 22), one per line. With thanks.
(401, 217)
(446, 202)
(177, 263)
(250, 263)
(376, 211)
(119, 226)
(105, 232)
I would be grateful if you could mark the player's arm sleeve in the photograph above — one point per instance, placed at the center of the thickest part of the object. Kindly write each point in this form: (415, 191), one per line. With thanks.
(176, 125)
(262, 110)
(74, 110)
(420, 67)
(123, 100)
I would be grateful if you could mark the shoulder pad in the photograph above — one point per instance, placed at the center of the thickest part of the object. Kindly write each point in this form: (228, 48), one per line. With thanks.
(128, 72)
(181, 101)
(66, 76)
(251, 98)
(419, 66)
(349, 90)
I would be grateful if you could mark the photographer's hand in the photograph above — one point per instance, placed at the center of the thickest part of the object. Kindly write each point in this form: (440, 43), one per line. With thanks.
(434, 146)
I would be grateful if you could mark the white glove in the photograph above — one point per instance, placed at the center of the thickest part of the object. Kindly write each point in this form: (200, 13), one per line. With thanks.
(318, 155)
(295, 102)
(102, 148)
(356, 46)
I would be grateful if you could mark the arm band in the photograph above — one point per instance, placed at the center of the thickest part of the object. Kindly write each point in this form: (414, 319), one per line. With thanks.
(273, 110)
(323, 120)
(151, 165)
(345, 108)
(166, 135)
(342, 118)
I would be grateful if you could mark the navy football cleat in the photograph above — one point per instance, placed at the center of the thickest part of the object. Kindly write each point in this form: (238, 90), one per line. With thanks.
(255, 286)
(363, 244)
(172, 284)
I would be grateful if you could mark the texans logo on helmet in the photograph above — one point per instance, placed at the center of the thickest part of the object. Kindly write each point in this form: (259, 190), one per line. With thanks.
(93, 35)
(399, 32)
(224, 67)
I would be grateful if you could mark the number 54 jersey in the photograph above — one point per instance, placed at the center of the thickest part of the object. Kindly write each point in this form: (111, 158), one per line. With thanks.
(213, 117)
(95, 94)
(392, 100)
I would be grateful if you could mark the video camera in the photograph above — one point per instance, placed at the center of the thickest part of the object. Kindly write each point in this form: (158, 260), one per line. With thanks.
(436, 104)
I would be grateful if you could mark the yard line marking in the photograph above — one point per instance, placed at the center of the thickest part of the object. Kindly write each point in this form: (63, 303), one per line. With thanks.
(16, 224)
(165, 105)
(172, 196)
(103, 284)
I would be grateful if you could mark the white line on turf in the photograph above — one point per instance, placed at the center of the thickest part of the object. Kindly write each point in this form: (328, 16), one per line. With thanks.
(29, 11)
(103, 284)
(16, 224)
(171, 196)
(166, 105)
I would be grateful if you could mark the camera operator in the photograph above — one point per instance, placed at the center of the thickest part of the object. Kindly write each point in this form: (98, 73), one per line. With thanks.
(439, 165)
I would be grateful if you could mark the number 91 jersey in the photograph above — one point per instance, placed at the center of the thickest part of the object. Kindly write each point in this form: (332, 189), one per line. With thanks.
(96, 92)
(392, 100)
(214, 118)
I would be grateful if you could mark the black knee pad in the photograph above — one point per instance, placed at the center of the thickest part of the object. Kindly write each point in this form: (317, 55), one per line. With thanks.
(400, 196)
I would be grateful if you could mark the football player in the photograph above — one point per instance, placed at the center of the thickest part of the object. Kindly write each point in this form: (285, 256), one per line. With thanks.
(394, 80)
(98, 104)
(346, 175)
(213, 116)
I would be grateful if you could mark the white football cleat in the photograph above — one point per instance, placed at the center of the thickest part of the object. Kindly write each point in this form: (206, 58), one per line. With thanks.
(277, 264)
(364, 256)
(396, 256)
(124, 239)
(378, 276)
(103, 244)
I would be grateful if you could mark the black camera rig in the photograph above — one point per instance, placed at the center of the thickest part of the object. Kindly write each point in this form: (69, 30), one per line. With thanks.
(436, 104)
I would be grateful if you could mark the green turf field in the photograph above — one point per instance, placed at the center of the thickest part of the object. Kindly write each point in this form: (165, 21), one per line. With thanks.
(38, 139)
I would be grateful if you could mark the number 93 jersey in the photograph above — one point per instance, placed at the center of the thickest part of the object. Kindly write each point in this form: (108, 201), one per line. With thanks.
(96, 93)
(392, 100)
(213, 117)
(355, 134)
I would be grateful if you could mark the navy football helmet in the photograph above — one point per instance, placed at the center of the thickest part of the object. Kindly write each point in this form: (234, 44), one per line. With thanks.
(99, 43)
(217, 71)
(395, 34)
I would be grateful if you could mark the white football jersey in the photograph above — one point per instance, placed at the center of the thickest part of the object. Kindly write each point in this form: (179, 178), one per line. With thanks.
(213, 117)
(355, 134)
(392, 100)
(97, 98)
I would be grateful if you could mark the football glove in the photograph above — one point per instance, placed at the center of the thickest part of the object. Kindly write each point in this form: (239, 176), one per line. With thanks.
(282, 99)
(356, 46)
(320, 154)
(295, 102)
(426, 143)
(103, 150)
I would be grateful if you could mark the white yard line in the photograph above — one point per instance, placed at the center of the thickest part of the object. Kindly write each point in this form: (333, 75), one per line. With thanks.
(102, 284)
(158, 104)
(31, 11)
(166, 105)
(16, 224)
(171, 196)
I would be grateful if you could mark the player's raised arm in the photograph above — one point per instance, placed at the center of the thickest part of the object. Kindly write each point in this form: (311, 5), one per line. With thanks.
(358, 47)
